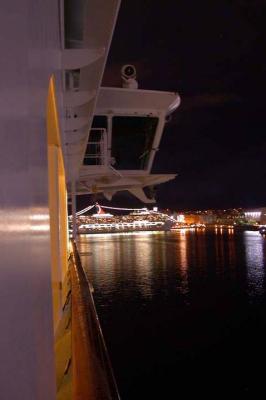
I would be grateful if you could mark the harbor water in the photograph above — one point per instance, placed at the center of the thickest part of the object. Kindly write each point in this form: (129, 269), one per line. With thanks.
(182, 312)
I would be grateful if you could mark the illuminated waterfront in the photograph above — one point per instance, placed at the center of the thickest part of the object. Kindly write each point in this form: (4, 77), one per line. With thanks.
(181, 311)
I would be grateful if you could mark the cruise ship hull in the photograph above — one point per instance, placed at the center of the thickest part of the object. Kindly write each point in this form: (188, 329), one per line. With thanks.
(125, 227)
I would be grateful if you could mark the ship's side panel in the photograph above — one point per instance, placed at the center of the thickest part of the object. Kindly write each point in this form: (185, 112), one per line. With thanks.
(29, 43)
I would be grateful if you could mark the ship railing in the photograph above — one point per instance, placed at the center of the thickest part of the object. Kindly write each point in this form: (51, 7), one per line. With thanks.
(93, 376)
(96, 153)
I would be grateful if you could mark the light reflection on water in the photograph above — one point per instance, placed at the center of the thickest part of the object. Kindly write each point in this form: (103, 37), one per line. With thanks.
(141, 259)
(182, 263)
(254, 245)
(195, 296)
(122, 260)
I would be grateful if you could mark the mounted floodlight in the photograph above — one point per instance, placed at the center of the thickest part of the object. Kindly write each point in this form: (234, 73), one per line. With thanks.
(129, 75)
(128, 71)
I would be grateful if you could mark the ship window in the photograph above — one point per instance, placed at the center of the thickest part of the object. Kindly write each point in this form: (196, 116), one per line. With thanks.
(72, 79)
(99, 121)
(132, 139)
(74, 16)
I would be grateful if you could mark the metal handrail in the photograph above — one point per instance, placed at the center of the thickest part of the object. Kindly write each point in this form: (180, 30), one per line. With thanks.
(100, 146)
(92, 370)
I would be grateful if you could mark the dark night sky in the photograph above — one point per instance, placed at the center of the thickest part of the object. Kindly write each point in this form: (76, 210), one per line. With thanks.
(213, 53)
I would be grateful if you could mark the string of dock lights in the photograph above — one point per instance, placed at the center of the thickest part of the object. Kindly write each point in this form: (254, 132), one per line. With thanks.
(84, 210)
(109, 208)
(124, 209)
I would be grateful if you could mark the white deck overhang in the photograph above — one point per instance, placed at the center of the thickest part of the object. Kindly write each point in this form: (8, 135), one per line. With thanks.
(86, 36)
(121, 101)
(110, 183)
(83, 61)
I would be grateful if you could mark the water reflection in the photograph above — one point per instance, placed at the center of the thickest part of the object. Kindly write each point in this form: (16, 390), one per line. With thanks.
(144, 264)
(185, 301)
(231, 248)
(182, 263)
(122, 262)
(147, 261)
(254, 250)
